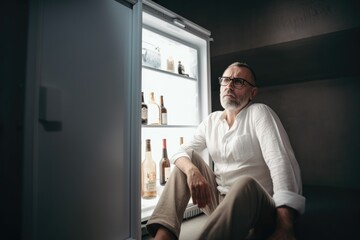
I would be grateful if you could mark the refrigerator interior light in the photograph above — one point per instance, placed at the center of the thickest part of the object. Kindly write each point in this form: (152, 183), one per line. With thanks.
(179, 23)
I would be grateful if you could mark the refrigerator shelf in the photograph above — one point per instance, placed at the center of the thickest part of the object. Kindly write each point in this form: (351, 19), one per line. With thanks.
(169, 73)
(169, 126)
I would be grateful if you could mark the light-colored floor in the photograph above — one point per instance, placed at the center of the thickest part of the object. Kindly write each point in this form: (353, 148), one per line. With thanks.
(190, 229)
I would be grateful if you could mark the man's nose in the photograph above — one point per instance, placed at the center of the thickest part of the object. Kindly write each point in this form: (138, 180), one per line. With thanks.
(231, 84)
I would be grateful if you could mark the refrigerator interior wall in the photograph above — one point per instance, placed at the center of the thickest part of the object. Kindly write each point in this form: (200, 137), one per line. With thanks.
(185, 95)
(180, 95)
(199, 42)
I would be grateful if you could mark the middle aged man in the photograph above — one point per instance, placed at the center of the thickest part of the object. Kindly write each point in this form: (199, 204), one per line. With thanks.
(255, 189)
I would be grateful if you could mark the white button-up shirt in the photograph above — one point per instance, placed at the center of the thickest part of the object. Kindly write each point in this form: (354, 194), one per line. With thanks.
(256, 145)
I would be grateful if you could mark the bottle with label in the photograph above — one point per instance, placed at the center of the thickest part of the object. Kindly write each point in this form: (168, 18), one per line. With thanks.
(144, 110)
(153, 111)
(148, 174)
(163, 111)
(164, 165)
(170, 64)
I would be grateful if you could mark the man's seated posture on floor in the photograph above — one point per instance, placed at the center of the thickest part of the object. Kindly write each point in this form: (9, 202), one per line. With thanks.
(255, 189)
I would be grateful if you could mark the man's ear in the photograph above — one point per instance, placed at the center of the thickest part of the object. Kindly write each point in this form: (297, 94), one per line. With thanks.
(254, 92)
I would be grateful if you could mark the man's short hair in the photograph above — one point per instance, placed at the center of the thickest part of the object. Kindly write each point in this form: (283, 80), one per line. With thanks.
(242, 64)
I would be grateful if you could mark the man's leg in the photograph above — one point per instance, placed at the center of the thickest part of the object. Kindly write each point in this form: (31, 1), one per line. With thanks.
(247, 205)
(170, 209)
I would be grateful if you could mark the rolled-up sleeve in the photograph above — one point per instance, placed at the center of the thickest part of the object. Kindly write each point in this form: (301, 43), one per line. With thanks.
(196, 143)
(290, 199)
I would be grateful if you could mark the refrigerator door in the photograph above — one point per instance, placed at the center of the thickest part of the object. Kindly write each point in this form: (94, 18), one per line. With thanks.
(175, 65)
(79, 140)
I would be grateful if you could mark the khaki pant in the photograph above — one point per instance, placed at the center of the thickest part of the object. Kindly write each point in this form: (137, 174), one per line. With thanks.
(247, 206)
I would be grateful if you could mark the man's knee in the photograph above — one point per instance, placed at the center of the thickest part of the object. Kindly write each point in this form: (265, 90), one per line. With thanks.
(189, 152)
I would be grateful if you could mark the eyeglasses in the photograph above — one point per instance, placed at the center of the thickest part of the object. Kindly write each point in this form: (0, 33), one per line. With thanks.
(238, 82)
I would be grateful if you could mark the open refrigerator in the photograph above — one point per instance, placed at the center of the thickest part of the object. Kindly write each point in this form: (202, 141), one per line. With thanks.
(169, 40)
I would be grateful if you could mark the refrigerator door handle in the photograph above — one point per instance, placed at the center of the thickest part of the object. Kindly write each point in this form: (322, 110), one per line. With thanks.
(50, 108)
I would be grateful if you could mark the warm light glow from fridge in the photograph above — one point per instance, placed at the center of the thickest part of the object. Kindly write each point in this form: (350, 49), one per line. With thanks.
(185, 94)
(180, 96)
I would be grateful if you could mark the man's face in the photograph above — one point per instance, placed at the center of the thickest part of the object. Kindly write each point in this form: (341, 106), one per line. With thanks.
(232, 98)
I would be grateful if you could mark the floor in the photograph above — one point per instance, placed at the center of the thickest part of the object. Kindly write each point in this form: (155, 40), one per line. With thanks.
(192, 227)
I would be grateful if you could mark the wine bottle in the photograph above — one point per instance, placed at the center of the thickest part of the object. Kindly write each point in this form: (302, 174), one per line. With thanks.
(144, 110)
(163, 111)
(164, 165)
(153, 111)
(148, 174)
(170, 64)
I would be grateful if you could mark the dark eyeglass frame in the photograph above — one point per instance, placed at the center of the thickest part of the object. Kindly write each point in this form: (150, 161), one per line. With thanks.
(238, 82)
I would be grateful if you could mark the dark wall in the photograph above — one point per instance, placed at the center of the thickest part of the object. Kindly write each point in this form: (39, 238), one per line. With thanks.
(325, 56)
(312, 84)
(13, 20)
(259, 23)
(241, 25)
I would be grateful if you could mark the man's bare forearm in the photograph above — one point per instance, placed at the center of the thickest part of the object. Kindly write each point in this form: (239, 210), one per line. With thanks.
(284, 224)
(186, 166)
(198, 185)
(286, 218)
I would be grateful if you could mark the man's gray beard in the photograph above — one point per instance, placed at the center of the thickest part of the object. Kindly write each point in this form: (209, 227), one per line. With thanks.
(230, 105)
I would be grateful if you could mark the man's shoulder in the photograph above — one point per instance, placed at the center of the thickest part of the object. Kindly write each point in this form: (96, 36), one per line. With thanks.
(261, 111)
(216, 115)
(258, 107)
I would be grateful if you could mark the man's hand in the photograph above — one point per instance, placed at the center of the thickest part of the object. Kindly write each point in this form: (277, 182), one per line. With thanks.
(199, 188)
(198, 185)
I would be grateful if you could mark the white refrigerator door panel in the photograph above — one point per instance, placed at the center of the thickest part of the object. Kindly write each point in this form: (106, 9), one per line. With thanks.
(81, 171)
